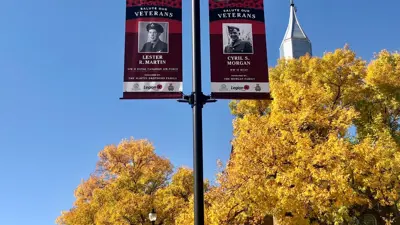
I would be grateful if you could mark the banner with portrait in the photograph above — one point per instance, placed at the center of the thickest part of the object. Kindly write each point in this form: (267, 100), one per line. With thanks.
(153, 50)
(238, 50)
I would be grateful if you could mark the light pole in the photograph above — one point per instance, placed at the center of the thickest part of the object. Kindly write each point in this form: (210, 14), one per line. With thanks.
(153, 217)
(197, 100)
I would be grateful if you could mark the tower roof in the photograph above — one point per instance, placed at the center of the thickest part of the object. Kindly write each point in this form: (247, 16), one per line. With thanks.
(295, 39)
(294, 30)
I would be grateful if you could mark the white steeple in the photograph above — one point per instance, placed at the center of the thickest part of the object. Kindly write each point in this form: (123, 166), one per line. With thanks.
(295, 43)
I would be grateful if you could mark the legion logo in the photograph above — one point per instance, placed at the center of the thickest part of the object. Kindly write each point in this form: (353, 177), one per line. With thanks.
(153, 87)
(240, 88)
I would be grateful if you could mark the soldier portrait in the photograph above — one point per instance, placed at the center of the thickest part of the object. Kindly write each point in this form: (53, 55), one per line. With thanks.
(238, 39)
(153, 37)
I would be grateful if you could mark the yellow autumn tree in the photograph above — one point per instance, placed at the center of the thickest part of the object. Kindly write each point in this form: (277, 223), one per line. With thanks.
(175, 199)
(293, 156)
(130, 180)
(376, 168)
(186, 215)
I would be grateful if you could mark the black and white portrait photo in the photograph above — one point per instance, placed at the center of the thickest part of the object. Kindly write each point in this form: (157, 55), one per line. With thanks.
(153, 37)
(237, 38)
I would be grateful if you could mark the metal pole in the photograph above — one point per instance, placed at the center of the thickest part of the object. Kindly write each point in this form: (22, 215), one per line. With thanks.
(199, 101)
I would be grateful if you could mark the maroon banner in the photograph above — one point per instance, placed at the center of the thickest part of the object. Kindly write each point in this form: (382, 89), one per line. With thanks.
(153, 49)
(238, 50)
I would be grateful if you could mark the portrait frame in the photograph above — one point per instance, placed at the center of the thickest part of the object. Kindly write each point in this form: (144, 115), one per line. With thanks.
(246, 34)
(143, 35)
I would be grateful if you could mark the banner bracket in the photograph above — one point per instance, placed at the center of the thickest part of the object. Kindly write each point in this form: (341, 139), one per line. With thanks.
(192, 99)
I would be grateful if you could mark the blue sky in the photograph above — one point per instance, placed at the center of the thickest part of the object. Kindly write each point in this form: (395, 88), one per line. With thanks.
(61, 69)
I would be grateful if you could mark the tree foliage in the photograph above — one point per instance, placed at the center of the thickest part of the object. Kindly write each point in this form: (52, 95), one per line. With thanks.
(294, 158)
(130, 180)
(325, 150)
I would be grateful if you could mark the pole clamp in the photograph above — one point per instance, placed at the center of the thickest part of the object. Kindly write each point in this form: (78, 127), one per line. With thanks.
(197, 100)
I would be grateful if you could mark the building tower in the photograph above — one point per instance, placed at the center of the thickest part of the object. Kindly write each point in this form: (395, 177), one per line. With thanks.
(295, 43)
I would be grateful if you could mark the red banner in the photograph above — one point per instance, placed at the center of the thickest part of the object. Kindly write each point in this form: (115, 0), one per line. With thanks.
(238, 50)
(153, 50)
